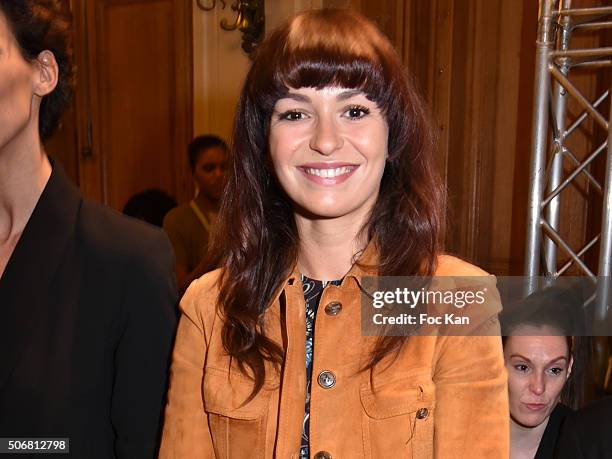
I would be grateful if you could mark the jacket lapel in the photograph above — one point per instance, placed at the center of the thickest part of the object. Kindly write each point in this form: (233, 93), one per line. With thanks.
(27, 281)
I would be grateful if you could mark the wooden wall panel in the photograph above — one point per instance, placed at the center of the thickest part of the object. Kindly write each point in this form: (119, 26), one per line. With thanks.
(133, 99)
(508, 90)
(522, 153)
(455, 50)
(137, 110)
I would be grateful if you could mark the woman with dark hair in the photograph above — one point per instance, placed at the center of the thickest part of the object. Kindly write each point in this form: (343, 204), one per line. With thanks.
(544, 355)
(86, 295)
(331, 180)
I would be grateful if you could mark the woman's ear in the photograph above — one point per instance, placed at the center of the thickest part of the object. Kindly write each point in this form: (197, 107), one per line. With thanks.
(47, 74)
(569, 368)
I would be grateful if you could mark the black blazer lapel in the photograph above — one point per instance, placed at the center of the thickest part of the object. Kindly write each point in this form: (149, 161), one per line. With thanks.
(27, 281)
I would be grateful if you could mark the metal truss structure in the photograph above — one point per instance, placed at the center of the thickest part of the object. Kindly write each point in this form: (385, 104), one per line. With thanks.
(555, 60)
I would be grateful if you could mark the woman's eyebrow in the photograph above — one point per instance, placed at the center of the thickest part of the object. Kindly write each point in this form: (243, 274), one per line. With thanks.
(522, 357)
(298, 97)
(348, 94)
(559, 358)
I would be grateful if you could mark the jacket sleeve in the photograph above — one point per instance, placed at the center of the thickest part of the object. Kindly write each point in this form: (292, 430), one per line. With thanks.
(472, 415)
(142, 354)
(186, 433)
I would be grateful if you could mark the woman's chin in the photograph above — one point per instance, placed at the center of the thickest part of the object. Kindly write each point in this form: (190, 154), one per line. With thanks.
(530, 420)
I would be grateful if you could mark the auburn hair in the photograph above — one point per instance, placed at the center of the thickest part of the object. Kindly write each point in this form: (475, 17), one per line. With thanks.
(256, 242)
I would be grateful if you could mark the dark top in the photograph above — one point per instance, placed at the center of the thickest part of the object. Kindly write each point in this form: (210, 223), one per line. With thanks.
(313, 289)
(189, 234)
(87, 305)
(546, 450)
(587, 433)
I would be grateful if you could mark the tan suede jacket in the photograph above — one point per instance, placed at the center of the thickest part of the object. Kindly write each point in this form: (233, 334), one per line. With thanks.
(443, 397)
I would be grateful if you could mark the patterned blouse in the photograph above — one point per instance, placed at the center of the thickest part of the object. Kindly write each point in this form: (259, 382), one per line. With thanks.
(313, 289)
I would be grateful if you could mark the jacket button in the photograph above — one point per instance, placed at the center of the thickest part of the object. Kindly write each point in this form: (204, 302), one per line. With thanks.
(333, 308)
(422, 413)
(322, 455)
(326, 380)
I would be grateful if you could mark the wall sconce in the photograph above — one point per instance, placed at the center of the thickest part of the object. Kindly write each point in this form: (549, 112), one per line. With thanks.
(250, 20)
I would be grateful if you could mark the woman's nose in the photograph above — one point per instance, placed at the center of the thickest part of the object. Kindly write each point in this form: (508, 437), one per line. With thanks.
(325, 138)
(536, 384)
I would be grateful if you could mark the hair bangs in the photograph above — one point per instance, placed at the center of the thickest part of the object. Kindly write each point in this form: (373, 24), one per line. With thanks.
(314, 69)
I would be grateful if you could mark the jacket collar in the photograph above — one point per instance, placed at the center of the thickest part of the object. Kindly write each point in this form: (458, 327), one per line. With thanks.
(27, 280)
(366, 265)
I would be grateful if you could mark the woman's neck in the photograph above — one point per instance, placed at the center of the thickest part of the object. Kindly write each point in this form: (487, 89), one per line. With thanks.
(524, 441)
(206, 204)
(24, 173)
(328, 246)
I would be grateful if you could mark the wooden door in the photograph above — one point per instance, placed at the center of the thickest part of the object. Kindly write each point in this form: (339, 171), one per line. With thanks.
(133, 101)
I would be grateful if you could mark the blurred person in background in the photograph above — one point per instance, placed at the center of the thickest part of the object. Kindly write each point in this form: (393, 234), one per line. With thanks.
(189, 225)
(545, 358)
(87, 296)
(150, 206)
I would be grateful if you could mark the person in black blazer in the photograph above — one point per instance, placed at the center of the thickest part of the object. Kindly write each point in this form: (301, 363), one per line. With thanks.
(87, 296)
(587, 433)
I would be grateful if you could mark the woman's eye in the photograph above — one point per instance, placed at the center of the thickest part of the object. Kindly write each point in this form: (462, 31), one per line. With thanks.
(556, 371)
(356, 112)
(292, 115)
(521, 367)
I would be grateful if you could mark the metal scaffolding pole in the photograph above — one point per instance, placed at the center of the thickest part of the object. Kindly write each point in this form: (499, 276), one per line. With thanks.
(559, 105)
(553, 87)
(544, 45)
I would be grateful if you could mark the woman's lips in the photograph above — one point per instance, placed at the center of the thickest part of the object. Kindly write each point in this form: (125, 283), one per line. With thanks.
(328, 174)
(535, 406)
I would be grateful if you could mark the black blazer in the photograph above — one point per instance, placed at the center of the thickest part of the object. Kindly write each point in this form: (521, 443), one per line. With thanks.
(87, 318)
(587, 433)
(550, 437)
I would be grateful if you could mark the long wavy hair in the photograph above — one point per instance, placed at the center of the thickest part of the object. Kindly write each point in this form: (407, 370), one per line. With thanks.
(257, 240)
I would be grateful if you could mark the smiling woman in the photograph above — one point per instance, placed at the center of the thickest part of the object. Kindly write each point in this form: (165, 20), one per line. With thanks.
(333, 143)
(329, 149)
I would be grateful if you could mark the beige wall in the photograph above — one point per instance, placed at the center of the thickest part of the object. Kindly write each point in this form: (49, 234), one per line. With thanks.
(220, 65)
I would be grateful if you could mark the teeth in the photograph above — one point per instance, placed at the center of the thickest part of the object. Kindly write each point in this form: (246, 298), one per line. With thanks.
(329, 173)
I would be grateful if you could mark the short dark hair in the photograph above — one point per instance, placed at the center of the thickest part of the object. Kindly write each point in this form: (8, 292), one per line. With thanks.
(150, 206)
(40, 25)
(202, 143)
